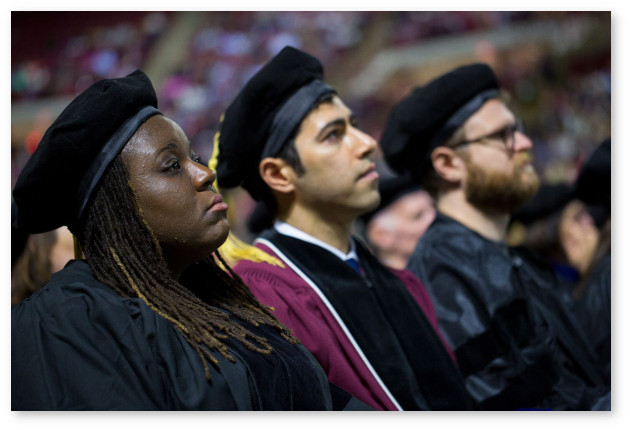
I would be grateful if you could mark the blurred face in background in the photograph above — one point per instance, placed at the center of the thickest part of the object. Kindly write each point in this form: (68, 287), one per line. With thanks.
(63, 249)
(578, 235)
(395, 231)
(43, 255)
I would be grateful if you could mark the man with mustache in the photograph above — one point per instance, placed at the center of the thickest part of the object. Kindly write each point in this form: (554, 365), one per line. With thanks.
(501, 310)
(293, 144)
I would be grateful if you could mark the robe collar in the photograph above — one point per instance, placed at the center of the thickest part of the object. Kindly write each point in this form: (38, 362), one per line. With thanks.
(289, 230)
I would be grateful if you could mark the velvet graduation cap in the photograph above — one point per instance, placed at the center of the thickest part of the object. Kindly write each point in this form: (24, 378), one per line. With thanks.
(431, 114)
(549, 199)
(18, 237)
(264, 115)
(56, 184)
(260, 219)
(593, 184)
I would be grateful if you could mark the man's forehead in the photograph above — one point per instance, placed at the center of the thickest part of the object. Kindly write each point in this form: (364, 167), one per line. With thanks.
(326, 112)
(334, 105)
(493, 114)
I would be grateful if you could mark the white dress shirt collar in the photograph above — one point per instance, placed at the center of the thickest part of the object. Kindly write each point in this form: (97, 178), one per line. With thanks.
(288, 230)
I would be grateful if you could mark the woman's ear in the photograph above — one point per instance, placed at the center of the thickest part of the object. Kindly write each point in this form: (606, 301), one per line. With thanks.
(277, 174)
(448, 164)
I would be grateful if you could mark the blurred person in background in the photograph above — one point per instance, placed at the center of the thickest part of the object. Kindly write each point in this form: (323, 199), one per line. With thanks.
(498, 307)
(538, 224)
(35, 258)
(372, 329)
(402, 217)
(569, 224)
(149, 320)
(578, 236)
(593, 292)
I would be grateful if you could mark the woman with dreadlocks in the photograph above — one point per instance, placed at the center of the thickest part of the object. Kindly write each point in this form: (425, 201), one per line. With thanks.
(149, 320)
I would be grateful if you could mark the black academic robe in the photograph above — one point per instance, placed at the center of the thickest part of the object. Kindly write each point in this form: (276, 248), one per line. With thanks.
(385, 321)
(77, 345)
(593, 308)
(503, 314)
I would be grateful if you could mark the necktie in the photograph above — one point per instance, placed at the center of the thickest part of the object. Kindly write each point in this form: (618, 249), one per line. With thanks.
(354, 264)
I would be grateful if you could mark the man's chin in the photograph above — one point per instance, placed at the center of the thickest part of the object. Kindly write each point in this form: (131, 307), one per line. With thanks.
(370, 203)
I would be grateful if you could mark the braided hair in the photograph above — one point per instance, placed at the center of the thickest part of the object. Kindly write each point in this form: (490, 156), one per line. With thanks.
(124, 253)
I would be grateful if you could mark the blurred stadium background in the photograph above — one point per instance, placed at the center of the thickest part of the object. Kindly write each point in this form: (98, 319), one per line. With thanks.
(555, 65)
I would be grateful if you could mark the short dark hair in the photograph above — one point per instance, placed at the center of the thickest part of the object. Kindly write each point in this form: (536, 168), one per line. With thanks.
(431, 181)
(290, 154)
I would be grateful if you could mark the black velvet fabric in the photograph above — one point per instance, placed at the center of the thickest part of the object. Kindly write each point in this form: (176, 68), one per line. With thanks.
(388, 325)
(48, 193)
(594, 312)
(548, 200)
(593, 184)
(76, 345)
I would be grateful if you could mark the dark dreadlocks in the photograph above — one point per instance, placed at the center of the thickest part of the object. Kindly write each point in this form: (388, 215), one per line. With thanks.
(123, 253)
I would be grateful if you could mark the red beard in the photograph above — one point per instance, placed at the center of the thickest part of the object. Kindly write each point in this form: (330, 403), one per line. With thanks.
(500, 192)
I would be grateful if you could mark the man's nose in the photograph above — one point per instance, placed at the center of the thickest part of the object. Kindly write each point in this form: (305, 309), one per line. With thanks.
(365, 143)
(522, 142)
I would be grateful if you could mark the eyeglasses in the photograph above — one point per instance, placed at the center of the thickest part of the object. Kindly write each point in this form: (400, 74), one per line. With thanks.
(505, 135)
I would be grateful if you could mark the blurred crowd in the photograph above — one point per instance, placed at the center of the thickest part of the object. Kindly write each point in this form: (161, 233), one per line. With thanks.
(71, 51)
(224, 52)
(566, 101)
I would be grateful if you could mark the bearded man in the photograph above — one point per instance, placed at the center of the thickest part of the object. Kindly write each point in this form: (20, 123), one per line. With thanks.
(500, 308)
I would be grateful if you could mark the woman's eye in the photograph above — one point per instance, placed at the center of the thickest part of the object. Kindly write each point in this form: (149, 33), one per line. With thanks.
(173, 166)
(194, 157)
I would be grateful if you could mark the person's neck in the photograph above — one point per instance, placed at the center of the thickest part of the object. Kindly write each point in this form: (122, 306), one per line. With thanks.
(491, 226)
(330, 230)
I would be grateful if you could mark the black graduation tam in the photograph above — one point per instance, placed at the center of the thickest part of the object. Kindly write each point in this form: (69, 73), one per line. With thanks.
(548, 200)
(593, 183)
(260, 219)
(265, 114)
(55, 186)
(391, 189)
(430, 115)
(18, 237)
